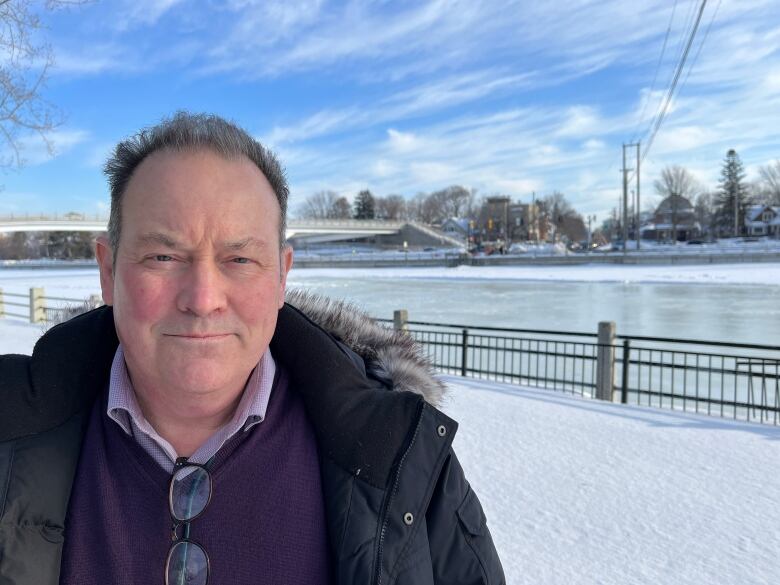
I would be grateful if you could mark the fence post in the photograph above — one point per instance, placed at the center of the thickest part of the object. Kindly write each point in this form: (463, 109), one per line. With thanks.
(37, 312)
(464, 352)
(626, 366)
(2, 307)
(400, 317)
(605, 362)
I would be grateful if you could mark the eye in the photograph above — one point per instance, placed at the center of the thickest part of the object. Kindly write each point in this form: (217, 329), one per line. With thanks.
(241, 260)
(163, 258)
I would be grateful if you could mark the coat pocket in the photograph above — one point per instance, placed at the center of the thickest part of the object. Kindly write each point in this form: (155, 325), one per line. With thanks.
(474, 526)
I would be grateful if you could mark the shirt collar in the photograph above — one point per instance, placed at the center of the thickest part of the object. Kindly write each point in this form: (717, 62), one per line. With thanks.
(123, 405)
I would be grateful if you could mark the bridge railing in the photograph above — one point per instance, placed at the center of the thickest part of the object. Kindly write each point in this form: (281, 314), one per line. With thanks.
(53, 217)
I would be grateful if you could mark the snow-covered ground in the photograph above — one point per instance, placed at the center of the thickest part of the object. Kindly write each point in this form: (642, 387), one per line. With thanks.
(759, 273)
(589, 493)
(582, 492)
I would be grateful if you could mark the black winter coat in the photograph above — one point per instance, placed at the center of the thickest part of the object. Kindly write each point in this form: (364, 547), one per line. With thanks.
(398, 507)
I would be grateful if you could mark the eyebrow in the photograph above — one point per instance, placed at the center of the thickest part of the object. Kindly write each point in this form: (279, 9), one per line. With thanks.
(245, 243)
(167, 241)
(158, 238)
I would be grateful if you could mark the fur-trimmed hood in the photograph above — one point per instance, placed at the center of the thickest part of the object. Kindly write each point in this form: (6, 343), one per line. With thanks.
(390, 355)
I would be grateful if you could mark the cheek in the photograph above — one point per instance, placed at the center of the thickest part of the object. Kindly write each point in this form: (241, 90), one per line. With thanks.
(145, 298)
(259, 307)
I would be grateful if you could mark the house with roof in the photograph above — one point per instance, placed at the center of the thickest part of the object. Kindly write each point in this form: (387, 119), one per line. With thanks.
(762, 220)
(674, 220)
(456, 227)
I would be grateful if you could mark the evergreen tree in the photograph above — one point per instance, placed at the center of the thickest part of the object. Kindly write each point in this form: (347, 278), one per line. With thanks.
(732, 199)
(364, 205)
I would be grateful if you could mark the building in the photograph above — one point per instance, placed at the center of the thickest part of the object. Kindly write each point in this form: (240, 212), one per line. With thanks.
(458, 228)
(762, 220)
(674, 220)
(500, 220)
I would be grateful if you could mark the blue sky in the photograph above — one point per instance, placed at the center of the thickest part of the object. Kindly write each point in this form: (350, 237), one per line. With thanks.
(403, 97)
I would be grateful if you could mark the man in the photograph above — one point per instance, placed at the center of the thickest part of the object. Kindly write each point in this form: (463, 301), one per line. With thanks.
(198, 429)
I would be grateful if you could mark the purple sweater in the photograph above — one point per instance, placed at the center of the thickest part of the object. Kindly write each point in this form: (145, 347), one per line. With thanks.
(265, 522)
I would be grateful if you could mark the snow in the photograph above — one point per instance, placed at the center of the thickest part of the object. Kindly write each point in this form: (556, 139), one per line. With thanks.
(579, 491)
(593, 493)
(18, 337)
(746, 273)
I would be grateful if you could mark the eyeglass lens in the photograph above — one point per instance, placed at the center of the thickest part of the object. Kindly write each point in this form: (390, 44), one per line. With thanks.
(187, 564)
(190, 492)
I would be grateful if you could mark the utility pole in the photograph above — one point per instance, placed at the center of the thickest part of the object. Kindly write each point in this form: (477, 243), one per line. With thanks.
(624, 218)
(625, 197)
(591, 218)
(638, 216)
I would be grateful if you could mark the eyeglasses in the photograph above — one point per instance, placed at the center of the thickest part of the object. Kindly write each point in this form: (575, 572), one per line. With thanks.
(188, 495)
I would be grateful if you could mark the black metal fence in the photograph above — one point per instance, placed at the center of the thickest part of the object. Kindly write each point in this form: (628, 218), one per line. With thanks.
(739, 381)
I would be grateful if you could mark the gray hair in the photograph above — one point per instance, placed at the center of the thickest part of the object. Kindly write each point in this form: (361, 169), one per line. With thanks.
(189, 132)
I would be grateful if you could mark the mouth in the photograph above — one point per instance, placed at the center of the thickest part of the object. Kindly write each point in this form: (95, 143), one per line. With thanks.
(199, 337)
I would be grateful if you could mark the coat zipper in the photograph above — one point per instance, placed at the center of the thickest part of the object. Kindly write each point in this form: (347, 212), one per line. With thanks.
(396, 480)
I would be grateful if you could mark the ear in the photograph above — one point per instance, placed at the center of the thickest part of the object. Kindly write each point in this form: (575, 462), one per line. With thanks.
(285, 264)
(105, 259)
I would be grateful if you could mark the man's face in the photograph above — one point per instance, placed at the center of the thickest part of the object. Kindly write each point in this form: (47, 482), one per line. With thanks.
(199, 277)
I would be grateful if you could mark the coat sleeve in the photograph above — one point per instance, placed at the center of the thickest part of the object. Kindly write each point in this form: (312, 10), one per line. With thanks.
(462, 550)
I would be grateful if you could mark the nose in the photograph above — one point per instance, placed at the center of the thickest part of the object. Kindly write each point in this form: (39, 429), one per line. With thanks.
(202, 291)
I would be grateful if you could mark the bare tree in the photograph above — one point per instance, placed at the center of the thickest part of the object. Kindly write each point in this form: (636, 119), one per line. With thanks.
(320, 205)
(23, 73)
(556, 211)
(342, 208)
(453, 201)
(17, 246)
(770, 181)
(421, 208)
(391, 207)
(705, 212)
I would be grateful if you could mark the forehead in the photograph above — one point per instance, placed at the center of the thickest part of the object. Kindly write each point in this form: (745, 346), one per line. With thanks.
(199, 191)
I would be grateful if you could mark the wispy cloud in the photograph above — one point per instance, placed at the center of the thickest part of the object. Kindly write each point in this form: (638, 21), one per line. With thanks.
(423, 99)
(35, 150)
(143, 12)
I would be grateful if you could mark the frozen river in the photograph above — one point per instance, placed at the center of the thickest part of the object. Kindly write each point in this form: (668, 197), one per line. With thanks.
(728, 312)
(729, 303)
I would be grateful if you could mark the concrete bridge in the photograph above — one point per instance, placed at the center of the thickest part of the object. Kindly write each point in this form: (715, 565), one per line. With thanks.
(309, 231)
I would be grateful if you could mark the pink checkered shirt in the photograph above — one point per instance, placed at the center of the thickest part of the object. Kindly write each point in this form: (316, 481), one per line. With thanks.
(123, 408)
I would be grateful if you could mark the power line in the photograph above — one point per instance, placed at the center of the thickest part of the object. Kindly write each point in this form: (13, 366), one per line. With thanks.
(698, 51)
(681, 65)
(685, 33)
(655, 75)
